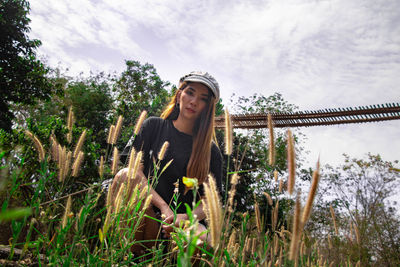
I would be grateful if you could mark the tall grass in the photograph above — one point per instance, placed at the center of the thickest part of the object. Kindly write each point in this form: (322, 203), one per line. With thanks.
(94, 229)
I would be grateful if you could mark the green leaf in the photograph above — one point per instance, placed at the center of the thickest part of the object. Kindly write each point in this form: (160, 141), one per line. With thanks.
(14, 214)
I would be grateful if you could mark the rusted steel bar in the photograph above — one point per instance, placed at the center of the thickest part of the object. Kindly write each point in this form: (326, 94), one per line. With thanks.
(316, 118)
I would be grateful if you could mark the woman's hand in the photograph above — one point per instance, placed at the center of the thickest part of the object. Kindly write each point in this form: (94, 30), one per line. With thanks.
(167, 228)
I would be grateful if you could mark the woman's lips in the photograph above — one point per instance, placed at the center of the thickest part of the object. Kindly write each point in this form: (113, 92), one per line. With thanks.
(190, 110)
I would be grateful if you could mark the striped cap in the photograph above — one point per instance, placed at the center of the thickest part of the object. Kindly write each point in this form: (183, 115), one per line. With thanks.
(204, 78)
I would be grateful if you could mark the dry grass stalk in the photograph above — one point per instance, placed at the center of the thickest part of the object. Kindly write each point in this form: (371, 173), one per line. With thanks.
(258, 217)
(253, 245)
(228, 133)
(54, 148)
(232, 191)
(67, 166)
(37, 144)
(117, 130)
(291, 161)
(110, 134)
(271, 140)
(115, 160)
(268, 198)
(334, 219)
(357, 233)
(119, 198)
(276, 244)
(131, 164)
(80, 143)
(275, 216)
(70, 122)
(101, 167)
(140, 121)
(67, 212)
(311, 196)
(213, 208)
(280, 185)
(62, 155)
(163, 150)
(77, 164)
(147, 202)
(276, 175)
(296, 231)
(138, 160)
(330, 246)
(232, 242)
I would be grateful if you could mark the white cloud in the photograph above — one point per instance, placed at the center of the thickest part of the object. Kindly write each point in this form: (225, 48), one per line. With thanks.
(318, 54)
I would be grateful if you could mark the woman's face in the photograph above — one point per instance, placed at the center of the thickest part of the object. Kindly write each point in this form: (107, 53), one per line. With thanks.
(193, 100)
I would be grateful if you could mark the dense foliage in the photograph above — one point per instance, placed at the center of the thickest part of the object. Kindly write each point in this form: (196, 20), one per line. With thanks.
(22, 76)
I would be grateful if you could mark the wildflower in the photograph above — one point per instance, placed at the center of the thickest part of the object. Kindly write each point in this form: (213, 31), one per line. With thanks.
(189, 183)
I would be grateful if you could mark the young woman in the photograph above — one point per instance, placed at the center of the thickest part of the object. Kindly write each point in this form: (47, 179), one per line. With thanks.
(188, 125)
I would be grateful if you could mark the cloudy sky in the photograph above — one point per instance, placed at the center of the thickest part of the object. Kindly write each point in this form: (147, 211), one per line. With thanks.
(317, 54)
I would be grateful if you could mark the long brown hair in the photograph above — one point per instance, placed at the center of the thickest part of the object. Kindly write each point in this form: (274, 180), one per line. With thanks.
(203, 132)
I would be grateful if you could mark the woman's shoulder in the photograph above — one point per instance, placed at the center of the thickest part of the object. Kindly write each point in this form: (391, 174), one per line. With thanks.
(153, 121)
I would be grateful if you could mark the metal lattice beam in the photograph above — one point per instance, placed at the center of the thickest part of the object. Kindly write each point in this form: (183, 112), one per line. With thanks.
(315, 118)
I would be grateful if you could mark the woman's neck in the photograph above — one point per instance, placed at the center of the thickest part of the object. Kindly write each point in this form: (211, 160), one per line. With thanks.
(184, 126)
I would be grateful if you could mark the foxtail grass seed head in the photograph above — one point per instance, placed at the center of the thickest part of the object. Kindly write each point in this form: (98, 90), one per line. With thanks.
(228, 133)
(67, 166)
(37, 144)
(101, 167)
(138, 161)
(80, 143)
(291, 161)
(119, 198)
(280, 185)
(334, 219)
(258, 217)
(131, 164)
(296, 231)
(311, 196)
(140, 121)
(70, 120)
(276, 175)
(115, 161)
(271, 140)
(232, 191)
(147, 202)
(163, 150)
(54, 148)
(357, 232)
(268, 198)
(232, 242)
(67, 211)
(77, 164)
(213, 209)
(117, 131)
(110, 135)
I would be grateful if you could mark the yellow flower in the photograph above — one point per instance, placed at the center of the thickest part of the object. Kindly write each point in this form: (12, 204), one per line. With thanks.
(189, 183)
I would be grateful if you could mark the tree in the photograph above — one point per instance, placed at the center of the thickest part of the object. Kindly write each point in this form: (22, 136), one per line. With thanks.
(139, 88)
(22, 75)
(251, 157)
(360, 191)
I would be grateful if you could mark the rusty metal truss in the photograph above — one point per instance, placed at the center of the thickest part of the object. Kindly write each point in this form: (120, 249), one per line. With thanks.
(371, 113)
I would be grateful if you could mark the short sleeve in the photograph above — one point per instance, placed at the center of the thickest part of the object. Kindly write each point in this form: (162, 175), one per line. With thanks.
(140, 142)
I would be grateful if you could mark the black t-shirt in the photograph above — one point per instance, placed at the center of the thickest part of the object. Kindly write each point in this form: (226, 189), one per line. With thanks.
(154, 132)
